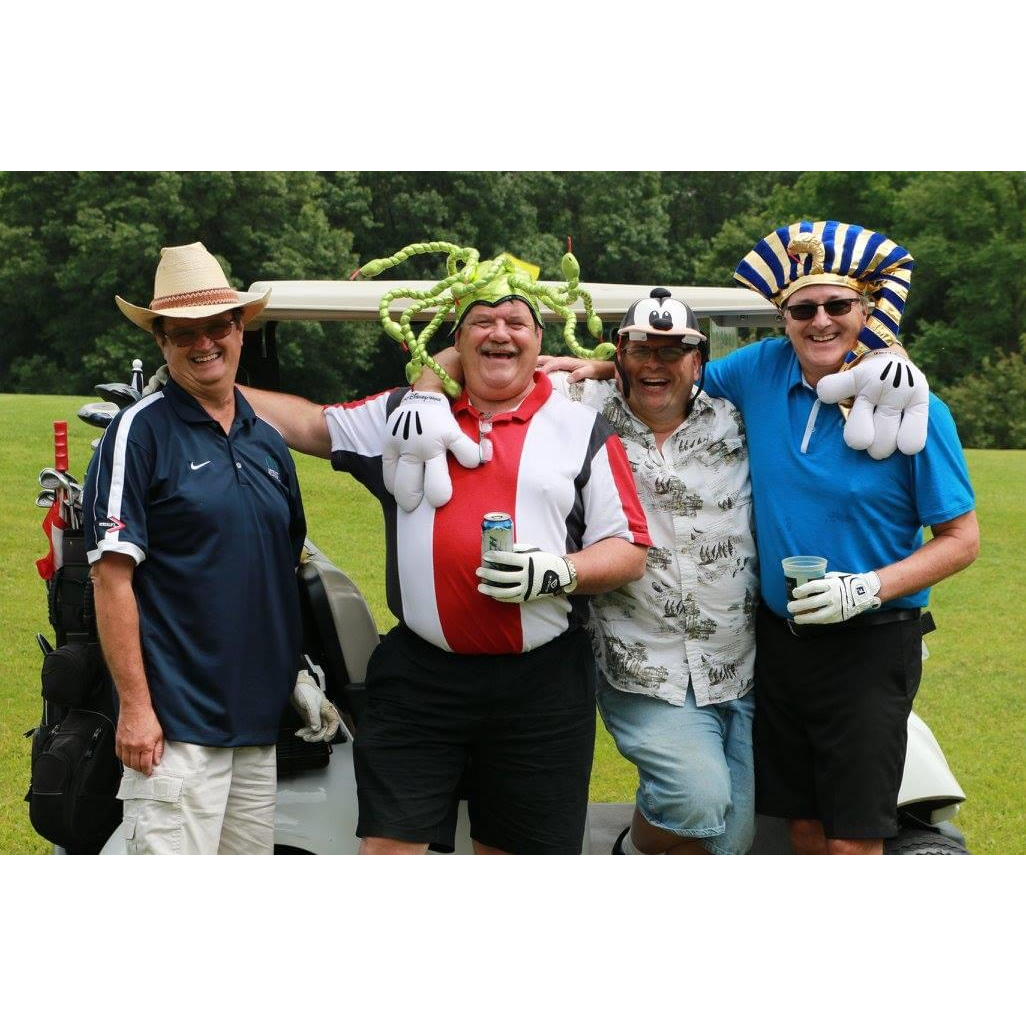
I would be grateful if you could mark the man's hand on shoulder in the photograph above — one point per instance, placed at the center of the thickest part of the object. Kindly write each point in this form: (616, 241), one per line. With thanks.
(892, 401)
(418, 435)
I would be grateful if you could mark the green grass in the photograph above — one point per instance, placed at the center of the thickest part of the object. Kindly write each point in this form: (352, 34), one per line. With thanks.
(971, 696)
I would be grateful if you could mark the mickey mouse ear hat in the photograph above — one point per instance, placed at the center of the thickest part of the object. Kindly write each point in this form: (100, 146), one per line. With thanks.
(190, 283)
(660, 315)
(833, 253)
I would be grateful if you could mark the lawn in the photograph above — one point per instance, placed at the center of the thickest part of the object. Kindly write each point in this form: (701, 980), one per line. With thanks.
(972, 694)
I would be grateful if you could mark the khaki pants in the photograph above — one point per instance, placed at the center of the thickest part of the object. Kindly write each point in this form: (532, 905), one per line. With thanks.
(202, 801)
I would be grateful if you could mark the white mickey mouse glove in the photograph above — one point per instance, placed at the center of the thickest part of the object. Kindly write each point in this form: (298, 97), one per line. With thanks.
(891, 408)
(525, 574)
(321, 717)
(835, 598)
(419, 433)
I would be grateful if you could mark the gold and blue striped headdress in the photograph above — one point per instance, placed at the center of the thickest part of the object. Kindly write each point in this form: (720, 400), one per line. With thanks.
(833, 253)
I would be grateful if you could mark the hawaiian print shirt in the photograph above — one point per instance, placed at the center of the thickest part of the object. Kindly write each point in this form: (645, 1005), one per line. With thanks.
(691, 618)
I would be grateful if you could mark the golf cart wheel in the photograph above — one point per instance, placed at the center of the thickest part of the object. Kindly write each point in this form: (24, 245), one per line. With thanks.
(923, 842)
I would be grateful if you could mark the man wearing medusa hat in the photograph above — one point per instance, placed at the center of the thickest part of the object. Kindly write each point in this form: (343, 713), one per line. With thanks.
(487, 684)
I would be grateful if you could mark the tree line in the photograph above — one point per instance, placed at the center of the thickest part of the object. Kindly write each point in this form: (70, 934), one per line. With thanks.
(70, 240)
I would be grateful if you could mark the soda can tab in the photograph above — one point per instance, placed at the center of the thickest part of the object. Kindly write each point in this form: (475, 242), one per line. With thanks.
(496, 533)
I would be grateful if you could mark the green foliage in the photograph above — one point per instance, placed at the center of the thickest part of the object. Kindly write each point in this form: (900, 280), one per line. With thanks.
(70, 241)
(990, 405)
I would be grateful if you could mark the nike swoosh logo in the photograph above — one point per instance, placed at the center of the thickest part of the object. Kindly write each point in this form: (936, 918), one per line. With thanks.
(196, 466)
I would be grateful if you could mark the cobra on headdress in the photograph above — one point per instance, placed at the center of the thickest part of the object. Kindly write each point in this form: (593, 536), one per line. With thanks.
(833, 253)
(469, 281)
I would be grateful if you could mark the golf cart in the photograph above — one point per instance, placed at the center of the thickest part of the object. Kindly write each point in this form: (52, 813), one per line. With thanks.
(317, 808)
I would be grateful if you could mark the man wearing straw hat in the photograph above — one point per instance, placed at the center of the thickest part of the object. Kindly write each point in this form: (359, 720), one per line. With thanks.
(194, 524)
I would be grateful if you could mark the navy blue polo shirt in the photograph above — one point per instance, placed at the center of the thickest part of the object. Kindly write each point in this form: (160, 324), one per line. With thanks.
(215, 524)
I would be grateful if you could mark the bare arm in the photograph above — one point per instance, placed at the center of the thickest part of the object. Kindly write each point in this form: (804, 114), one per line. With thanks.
(954, 545)
(139, 741)
(599, 370)
(608, 564)
(300, 421)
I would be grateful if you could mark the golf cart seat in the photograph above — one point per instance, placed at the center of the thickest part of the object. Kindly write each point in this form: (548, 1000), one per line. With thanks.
(339, 633)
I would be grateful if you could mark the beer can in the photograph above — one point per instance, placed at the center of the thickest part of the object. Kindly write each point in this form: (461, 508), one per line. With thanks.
(496, 533)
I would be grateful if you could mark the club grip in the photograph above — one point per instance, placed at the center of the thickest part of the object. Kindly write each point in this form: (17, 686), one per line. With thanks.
(60, 445)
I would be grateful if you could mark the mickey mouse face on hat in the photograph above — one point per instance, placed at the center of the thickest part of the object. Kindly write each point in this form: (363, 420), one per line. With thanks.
(660, 314)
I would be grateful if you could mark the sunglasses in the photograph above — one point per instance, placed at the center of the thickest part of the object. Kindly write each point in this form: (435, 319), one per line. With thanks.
(833, 307)
(665, 354)
(190, 336)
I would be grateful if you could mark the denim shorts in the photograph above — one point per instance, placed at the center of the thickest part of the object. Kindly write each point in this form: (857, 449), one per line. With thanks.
(695, 766)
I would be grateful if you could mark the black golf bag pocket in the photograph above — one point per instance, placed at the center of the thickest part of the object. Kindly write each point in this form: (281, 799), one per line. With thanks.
(75, 776)
(71, 673)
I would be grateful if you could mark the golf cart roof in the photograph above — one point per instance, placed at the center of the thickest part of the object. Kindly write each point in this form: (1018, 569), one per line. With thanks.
(359, 300)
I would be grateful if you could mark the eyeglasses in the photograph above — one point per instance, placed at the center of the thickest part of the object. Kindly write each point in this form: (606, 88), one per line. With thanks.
(215, 331)
(833, 307)
(665, 354)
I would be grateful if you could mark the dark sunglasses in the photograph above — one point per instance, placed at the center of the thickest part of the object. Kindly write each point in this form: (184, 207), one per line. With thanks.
(833, 307)
(190, 336)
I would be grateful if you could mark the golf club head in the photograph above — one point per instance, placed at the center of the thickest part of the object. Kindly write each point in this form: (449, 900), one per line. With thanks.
(54, 479)
(45, 498)
(99, 414)
(117, 392)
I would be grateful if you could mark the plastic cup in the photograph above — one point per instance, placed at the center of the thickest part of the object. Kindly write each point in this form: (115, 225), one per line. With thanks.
(799, 569)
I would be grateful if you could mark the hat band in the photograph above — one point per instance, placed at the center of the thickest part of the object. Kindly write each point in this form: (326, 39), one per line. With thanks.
(825, 278)
(204, 297)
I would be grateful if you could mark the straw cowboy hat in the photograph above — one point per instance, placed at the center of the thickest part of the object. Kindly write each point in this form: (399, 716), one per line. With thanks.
(190, 283)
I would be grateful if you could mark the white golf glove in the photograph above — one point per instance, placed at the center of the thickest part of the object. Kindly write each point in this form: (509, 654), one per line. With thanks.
(525, 574)
(322, 718)
(891, 408)
(418, 434)
(835, 598)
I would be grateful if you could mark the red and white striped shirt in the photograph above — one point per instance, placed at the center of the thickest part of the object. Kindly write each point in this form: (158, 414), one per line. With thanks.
(557, 467)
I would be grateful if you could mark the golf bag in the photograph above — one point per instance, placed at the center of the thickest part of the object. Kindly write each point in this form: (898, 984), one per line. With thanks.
(75, 773)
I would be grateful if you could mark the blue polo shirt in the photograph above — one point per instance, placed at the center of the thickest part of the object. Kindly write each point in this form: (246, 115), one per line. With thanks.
(215, 524)
(831, 500)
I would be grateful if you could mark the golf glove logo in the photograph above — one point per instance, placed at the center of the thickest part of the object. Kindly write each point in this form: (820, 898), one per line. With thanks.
(835, 598)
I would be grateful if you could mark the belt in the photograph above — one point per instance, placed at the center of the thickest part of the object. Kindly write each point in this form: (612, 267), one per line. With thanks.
(815, 630)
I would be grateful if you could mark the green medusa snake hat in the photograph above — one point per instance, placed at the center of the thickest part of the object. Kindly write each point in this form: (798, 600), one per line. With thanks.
(469, 281)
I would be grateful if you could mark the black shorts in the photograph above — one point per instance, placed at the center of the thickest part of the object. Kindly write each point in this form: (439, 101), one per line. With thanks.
(831, 723)
(514, 734)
